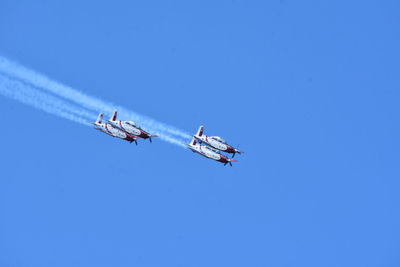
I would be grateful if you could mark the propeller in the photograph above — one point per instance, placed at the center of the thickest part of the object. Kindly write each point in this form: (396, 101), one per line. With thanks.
(150, 136)
(230, 163)
(236, 150)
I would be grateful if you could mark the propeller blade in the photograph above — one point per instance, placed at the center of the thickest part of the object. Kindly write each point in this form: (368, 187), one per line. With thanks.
(225, 163)
(150, 139)
(233, 154)
(135, 141)
(230, 163)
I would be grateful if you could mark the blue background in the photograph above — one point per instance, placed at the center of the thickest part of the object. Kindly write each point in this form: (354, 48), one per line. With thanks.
(309, 89)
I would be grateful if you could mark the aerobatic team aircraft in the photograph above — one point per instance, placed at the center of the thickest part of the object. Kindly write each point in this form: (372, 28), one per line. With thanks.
(215, 142)
(111, 130)
(129, 127)
(130, 131)
(208, 152)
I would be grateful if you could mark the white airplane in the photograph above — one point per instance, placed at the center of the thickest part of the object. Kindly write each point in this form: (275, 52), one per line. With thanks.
(129, 127)
(215, 142)
(208, 152)
(111, 130)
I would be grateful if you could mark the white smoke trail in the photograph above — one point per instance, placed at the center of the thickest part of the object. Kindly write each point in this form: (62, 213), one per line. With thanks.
(38, 80)
(23, 87)
(28, 95)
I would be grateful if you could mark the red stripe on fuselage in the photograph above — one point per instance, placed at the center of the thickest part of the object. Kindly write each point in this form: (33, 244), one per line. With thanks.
(120, 124)
(107, 129)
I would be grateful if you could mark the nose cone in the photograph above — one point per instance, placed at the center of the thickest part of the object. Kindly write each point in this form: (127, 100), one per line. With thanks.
(230, 149)
(223, 159)
(144, 135)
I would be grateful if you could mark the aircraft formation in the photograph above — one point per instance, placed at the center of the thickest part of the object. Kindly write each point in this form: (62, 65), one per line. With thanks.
(127, 130)
(208, 146)
(212, 148)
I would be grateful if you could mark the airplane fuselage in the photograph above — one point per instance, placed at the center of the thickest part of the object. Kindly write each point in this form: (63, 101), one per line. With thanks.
(208, 153)
(130, 129)
(215, 144)
(113, 131)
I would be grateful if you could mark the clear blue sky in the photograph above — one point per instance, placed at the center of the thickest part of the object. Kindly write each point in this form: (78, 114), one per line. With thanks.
(309, 89)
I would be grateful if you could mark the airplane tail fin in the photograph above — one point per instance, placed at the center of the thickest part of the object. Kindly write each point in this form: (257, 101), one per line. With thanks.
(200, 131)
(114, 116)
(193, 142)
(99, 118)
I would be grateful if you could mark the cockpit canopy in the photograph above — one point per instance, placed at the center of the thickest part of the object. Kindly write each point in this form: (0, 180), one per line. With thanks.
(217, 138)
(212, 149)
(132, 123)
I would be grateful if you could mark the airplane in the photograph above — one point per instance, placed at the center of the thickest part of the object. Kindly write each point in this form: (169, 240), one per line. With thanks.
(215, 142)
(111, 130)
(208, 152)
(129, 127)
